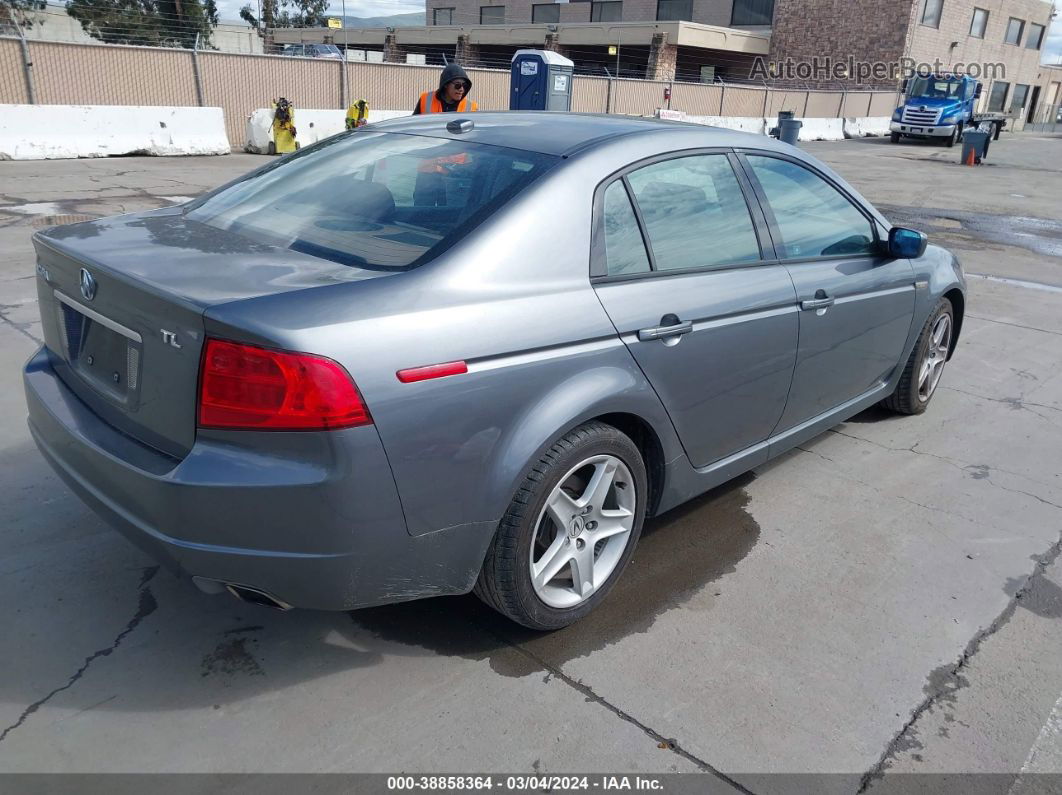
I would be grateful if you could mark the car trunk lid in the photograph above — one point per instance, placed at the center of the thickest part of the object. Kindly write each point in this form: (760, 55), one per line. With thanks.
(122, 303)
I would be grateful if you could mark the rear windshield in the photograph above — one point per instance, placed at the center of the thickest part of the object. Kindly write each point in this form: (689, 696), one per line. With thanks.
(373, 200)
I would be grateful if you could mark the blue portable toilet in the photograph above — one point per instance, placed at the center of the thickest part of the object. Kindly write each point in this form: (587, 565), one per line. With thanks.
(540, 80)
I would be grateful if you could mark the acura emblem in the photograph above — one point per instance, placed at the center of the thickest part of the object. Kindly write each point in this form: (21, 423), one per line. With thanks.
(88, 285)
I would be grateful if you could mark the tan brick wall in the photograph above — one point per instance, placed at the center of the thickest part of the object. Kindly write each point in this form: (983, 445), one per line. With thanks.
(1022, 65)
(12, 79)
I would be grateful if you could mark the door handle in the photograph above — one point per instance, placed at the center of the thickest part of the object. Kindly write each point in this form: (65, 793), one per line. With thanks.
(675, 328)
(816, 303)
(820, 301)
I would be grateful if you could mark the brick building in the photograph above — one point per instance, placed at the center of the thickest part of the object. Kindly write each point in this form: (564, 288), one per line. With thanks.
(946, 34)
(739, 40)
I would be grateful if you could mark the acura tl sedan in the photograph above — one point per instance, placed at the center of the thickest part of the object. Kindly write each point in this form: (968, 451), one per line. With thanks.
(448, 353)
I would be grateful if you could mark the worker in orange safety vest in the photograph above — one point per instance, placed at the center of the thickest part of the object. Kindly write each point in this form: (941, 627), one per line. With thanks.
(451, 97)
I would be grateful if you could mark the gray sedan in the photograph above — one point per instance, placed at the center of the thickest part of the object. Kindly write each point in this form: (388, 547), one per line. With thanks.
(444, 353)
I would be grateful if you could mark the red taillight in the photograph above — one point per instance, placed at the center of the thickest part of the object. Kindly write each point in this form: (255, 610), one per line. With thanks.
(244, 386)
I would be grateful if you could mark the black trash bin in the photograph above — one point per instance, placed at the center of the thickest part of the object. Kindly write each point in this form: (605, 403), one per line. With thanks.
(974, 146)
(789, 131)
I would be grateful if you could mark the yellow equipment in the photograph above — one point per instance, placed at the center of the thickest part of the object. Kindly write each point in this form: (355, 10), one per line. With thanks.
(283, 128)
(357, 114)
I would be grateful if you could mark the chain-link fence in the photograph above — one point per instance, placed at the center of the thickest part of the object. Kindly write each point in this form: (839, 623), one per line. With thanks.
(60, 73)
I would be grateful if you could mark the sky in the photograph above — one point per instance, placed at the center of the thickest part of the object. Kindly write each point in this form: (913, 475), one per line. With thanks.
(230, 9)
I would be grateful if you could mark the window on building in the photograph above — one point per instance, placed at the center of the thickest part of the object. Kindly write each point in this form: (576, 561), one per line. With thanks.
(752, 12)
(491, 15)
(1035, 38)
(1021, 94)
(690, 200)
(442, 16)
(674, 10)
(979, 23)
(998, 96)
(814, 219)
(610, 11)
(1015, 27)
(545, 12)
(931, 12)
(707, 74)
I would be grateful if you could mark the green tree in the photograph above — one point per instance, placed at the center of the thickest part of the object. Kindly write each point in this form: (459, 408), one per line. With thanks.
(154, 23)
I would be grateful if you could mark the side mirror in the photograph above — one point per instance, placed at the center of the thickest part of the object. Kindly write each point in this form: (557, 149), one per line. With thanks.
(977, 91)
(906, 243)
(903, 86)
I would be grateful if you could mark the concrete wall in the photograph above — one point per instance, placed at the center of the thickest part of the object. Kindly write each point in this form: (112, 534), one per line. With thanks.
(39, 132)
(466, 12)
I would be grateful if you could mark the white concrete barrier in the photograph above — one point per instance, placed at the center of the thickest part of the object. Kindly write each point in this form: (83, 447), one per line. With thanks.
(750, 124)
(311, 125)
(43, 132)
(866, 126)
(822, 130)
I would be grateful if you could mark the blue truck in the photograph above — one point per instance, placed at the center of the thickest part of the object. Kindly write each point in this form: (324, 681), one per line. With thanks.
(941, 106)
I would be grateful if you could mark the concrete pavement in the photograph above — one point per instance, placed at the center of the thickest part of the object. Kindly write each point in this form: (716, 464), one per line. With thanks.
(883, 599)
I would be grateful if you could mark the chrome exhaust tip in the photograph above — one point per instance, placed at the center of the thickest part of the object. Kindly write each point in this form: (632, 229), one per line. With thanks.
(255, 596)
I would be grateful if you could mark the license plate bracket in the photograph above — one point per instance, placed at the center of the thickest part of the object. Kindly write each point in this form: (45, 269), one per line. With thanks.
(103, 353)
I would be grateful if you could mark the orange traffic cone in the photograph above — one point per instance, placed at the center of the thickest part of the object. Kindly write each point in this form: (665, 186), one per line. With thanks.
(971, 158)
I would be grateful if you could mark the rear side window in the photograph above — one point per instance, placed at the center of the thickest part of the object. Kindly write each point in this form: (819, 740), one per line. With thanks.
(814, 218)
(624, 248)
(381, 201)
(695, 213)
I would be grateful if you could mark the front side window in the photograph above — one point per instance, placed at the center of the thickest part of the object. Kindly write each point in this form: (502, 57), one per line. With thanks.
(998, 97)
(545, 12)
(442, 16)
(752, 12)
(979, 23)
(695, 213)
(813, 217)
(607, 11)
(491, 15)
(379, 201)
(624, 248)
(931, 12)
(1014, 31)
(1035, 38)
(674, 10)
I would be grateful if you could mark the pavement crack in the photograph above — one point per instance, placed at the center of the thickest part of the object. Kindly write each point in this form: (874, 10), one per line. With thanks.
(944, 683)
(20, 328)
(1014, 325)
(146, 605)
(585, 690)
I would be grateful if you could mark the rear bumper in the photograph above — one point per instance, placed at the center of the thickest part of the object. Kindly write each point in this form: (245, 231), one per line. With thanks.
(312, 519)
(929, 131)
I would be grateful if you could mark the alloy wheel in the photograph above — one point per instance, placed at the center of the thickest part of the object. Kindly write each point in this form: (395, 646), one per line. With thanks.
(582, 531)
(935, 356)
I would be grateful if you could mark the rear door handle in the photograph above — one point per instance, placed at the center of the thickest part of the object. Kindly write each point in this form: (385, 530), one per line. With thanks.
(672, 329)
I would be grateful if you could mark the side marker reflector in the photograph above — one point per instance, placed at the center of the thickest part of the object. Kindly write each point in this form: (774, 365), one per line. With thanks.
(431, 371)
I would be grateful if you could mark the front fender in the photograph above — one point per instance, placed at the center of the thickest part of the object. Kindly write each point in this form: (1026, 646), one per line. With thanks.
(942, 274)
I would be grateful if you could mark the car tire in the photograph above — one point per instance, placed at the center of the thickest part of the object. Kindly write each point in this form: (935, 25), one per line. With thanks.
(894, 137)
(564, 477)
(950, 140)
(921, 374)
(960, 129)
(272, 148)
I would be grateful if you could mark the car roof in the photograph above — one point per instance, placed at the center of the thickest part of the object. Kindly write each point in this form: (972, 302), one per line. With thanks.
(560, 133)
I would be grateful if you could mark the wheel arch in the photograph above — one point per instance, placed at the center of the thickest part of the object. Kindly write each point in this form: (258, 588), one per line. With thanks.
(616, 396)
(958, 308)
